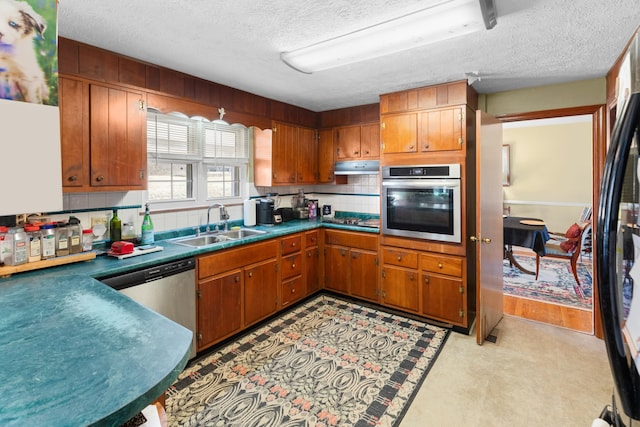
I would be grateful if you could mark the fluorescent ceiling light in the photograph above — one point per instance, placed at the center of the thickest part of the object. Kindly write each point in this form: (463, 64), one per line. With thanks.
(443, 20)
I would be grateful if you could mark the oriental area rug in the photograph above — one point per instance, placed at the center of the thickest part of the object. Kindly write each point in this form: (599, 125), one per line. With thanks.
(555, 283)
(327, 362)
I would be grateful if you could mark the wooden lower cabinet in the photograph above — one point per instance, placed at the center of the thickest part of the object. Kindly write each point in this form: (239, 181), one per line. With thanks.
(351, 263)
(399, 288)
(260, 291)
(236, 288)
(311, 262)
(442, 297)
(220, 299)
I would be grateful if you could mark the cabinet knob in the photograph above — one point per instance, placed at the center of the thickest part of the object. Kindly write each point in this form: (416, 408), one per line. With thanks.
(366, 152)
(236, 279)
(425, 147)
(293, 291)
(399, 258)
(356, 153)
(411, 147)
(100, 178)
(440, 265)
(73, 178)
(426, 280)
(293, 265)
(251, 274)
(411, 277)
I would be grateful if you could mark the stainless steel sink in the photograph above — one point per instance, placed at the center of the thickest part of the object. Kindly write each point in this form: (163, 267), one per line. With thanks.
(216, 237)
(241, 233)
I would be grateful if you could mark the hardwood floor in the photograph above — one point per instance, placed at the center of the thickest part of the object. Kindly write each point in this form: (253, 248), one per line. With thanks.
(567, 317)
(576, 319)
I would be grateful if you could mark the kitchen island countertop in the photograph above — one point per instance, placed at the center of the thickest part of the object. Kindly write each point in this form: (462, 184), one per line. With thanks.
(76, 352)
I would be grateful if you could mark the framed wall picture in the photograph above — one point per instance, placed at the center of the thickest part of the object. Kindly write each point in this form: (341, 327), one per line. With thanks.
(506, 177)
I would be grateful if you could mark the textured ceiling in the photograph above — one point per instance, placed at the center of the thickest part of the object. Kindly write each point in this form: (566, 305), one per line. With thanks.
(238, 43)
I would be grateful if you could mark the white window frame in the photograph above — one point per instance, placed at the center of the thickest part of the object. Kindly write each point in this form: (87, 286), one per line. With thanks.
(200, 167)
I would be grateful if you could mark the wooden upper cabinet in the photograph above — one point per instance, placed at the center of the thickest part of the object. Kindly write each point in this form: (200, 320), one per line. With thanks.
(117, 137)
(289, 157)
(357, 142)
(103, 137)
(74, 132)
(398, 133)
(347, 142)
(441, 130)
(326, 161)
(307, 147)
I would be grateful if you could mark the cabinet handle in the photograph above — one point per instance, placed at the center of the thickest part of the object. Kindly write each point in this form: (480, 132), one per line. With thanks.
(411, 147)
(411, 277)
(236, 279)
(293, 291)
(399, 258)
(366, 152)
(100, 178)
(425, 147)
(293, 265)
(343, 252)
(251, 274)
(426, 280)
(309, 254)
(73, 178)
(356, 153)
(440, 265)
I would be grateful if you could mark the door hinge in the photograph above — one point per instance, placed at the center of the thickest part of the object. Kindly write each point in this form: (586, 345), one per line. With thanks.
(199, 336)
(141, 104)
(461, 140)
(461, 115)
(461, 313)
(462, 289)
(377, 261)
(199, 293)
(276, 267)
(384, 274)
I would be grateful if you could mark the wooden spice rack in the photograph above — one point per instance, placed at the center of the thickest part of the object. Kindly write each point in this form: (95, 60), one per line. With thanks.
(8, 270)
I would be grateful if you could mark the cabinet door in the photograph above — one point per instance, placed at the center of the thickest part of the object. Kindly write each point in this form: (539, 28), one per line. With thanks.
(284, 160)
(307, 145)
(219, 308)
(370, 141)
(118, 138)
(399, 287)
(348, 142)
(441, 130)
(442, 298)
(311, 257)
(399, 133)
(364, 274)
(336, 268)
(260, 291)
(326, 161)
(74, 132)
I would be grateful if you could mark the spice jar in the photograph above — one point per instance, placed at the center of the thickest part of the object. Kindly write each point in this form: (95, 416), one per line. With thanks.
(87, 240)
(75, 235)
(48, 241)
(35, 249)
(62, 239)
(17, 239)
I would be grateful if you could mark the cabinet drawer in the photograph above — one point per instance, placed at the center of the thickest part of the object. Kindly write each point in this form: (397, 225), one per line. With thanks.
(408, 259)
(442, 264)
(219, 262)
(292, 290)
(311, 238)
(352, 239)
(291, 265)
(291, 244)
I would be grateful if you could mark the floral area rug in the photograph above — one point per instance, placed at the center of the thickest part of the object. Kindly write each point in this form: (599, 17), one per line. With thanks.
(325, 363)
(555, 283)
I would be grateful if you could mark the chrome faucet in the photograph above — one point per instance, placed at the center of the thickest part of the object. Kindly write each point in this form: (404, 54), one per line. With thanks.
(224, 216)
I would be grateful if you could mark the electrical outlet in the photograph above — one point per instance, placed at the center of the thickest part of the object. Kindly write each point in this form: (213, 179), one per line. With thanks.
(102, 224)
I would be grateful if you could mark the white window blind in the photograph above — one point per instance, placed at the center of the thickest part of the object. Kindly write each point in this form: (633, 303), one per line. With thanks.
(171, 136)
(226, 142)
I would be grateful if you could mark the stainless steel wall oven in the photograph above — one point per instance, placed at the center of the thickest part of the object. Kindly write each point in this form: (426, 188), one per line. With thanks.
(422, 202)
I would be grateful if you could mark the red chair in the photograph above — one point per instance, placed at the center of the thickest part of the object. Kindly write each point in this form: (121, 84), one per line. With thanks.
(568, 248)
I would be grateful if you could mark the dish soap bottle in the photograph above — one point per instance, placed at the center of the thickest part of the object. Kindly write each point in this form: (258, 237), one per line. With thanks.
(115, 227)
(148, 236)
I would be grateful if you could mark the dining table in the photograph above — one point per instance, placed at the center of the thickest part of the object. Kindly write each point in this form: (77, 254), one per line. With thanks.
(525, 232)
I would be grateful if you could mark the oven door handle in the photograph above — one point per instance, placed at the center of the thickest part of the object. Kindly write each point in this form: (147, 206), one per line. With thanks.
(421, 183)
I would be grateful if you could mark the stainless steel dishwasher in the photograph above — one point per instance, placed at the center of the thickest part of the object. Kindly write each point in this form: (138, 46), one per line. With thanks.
(168, 289)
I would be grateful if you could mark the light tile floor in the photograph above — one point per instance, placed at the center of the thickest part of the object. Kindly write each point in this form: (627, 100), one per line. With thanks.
(534, 375)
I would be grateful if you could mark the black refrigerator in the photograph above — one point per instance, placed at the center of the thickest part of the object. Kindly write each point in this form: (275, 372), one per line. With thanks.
(618, 246)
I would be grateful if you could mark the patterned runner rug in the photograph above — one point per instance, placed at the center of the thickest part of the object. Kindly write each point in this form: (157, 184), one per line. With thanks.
(555, 283)
(326, 363)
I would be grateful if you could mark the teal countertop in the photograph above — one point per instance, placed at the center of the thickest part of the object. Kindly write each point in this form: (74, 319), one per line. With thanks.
(76, 352)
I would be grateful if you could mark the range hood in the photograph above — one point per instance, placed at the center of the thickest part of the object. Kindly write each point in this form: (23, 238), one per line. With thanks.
(357, 167)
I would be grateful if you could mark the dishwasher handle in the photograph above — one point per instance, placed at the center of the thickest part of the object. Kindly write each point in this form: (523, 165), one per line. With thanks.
(149, 274)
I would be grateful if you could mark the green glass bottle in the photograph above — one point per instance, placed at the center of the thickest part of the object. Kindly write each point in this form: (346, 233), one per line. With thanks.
(115, 227)
(148, 236)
